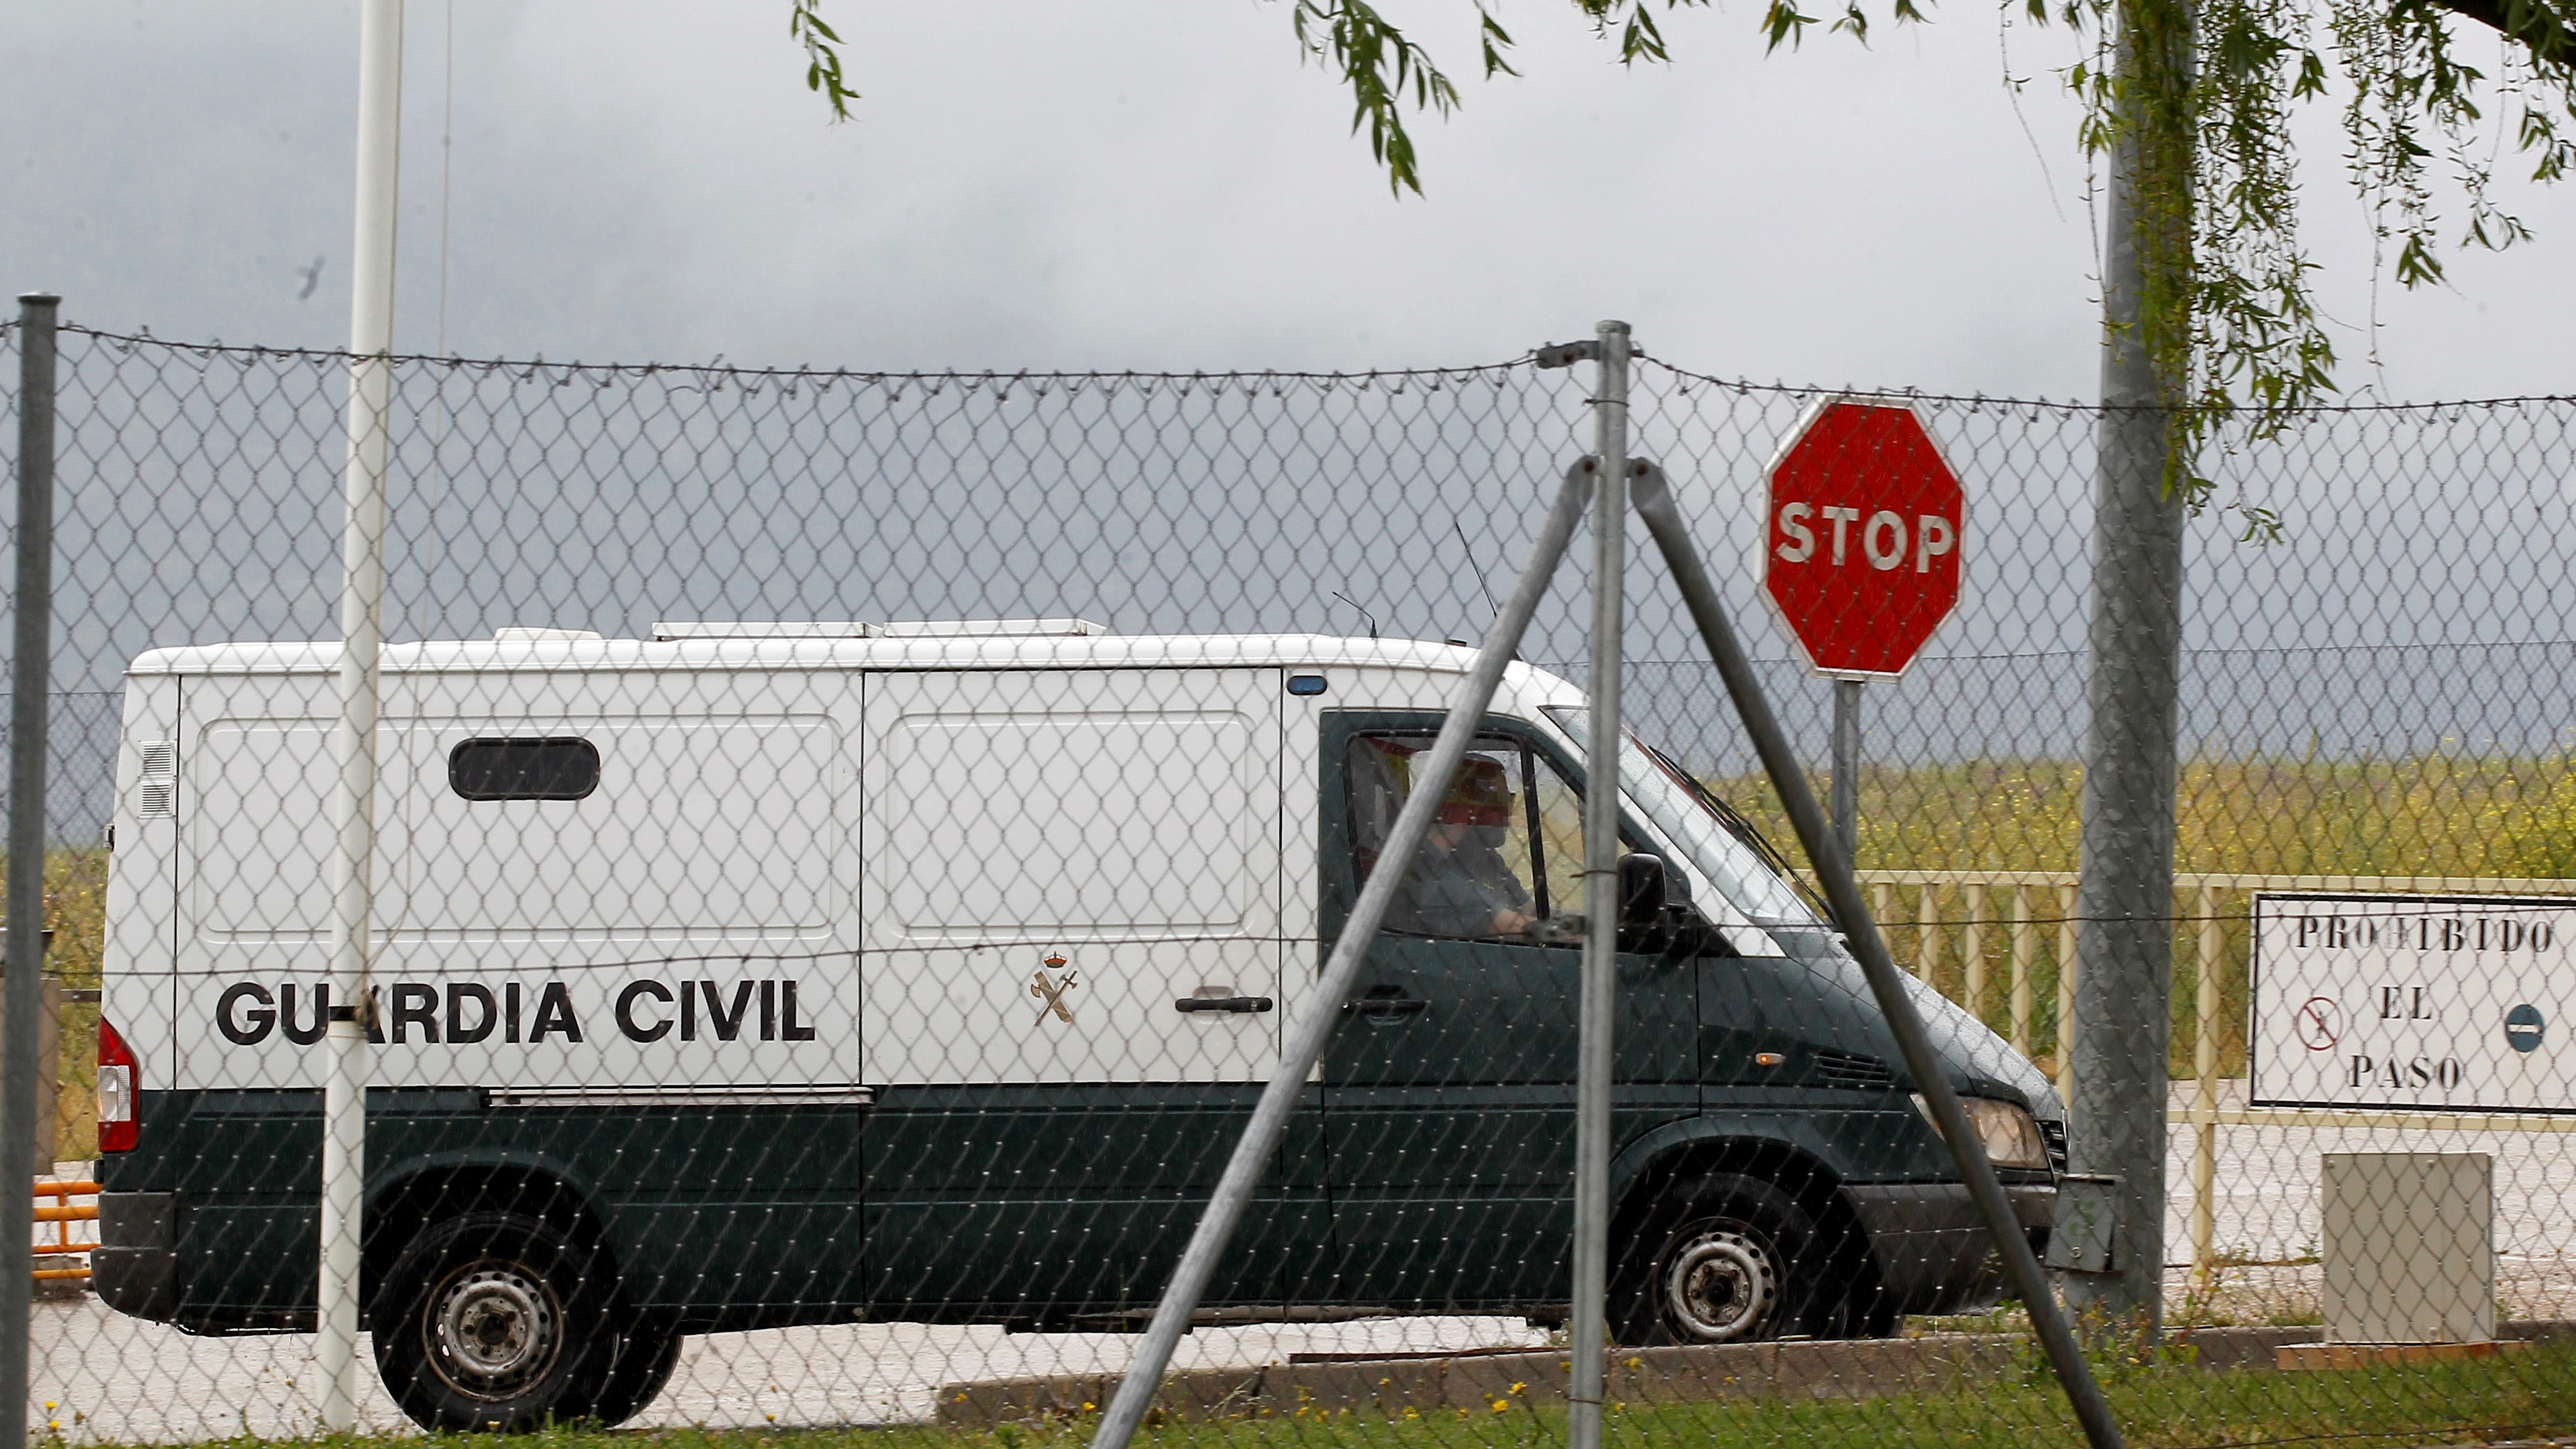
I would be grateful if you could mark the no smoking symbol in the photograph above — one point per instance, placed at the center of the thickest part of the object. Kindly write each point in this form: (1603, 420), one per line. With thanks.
(2319, 1023)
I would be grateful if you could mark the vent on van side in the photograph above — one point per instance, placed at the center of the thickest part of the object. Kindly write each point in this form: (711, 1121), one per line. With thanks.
(1841, 1069)
(160, 794)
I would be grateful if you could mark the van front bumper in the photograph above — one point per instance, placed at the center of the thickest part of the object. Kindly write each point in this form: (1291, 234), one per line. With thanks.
(1930, 1246)
(135, 1267)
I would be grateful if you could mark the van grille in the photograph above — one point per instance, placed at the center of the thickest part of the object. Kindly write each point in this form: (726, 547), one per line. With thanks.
(2053, 1136)
(1841, 1069)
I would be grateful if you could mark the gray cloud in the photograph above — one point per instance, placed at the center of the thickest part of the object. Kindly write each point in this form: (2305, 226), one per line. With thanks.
(1137, 183)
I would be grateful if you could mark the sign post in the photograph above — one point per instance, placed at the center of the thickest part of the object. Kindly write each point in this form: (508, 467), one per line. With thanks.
(1861, 556)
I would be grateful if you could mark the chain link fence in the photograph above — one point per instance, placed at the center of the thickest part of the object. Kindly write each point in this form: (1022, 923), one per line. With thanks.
(851, 845)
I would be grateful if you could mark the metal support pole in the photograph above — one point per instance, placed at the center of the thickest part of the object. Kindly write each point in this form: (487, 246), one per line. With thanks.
(1842, 892)
(21, 992)
(1256, 1149)
(353, 799)
(1846, 781)
(2124, 958)
(1587, 1375)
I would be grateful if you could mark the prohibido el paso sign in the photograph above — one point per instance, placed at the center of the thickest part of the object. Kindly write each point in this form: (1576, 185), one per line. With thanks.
(2441, 1003)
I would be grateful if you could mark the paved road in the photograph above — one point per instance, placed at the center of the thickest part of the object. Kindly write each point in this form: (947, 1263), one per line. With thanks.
(114, 1378)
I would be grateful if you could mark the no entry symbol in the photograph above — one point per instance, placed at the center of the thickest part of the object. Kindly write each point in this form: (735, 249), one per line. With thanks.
(2319, 1023)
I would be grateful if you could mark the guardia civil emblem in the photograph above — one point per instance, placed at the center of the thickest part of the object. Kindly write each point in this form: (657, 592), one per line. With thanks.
(1046, 986)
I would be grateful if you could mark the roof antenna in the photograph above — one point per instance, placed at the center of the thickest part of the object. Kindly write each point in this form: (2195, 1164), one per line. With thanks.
(1365, 614)
(1480, 578)
(1470, 550)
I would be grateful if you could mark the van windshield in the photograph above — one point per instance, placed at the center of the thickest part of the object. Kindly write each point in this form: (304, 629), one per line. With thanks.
(1726, 850)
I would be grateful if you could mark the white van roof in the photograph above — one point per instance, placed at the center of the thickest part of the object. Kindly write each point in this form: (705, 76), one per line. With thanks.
(561, 650)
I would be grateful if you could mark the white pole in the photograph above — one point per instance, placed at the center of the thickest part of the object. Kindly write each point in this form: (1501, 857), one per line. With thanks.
(1588, 1377)
(353, 801)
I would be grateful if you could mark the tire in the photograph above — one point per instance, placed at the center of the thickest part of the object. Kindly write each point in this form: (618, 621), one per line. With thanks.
(495, 1322)
(645, 1353)
(1723, 1258)
(1866, 1310)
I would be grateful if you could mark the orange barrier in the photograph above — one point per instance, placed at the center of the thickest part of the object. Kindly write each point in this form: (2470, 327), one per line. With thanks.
(62, 1215)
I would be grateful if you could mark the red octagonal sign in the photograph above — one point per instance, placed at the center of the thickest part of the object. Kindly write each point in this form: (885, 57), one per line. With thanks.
(1861, 554)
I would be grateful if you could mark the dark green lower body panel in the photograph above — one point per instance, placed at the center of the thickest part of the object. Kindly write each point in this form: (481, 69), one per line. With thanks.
(740, 1262)
(1033, 1206)
(1025, 1204)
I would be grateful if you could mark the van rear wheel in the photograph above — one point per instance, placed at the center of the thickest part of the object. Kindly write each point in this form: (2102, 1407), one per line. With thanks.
(493, 1321)
(1720, 1258)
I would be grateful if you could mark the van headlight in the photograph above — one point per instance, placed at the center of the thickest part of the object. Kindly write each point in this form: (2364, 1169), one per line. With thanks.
(2009, 1133)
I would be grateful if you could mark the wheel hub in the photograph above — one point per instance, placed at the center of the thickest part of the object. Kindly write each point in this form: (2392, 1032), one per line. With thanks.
(1719, 1285)
(495, 1330)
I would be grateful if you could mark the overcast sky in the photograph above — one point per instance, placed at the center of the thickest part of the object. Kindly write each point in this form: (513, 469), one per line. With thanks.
(1152, 184)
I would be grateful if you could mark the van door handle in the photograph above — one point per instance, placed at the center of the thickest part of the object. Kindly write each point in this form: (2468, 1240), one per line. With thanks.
(1386, 1006)
(1245, 1004)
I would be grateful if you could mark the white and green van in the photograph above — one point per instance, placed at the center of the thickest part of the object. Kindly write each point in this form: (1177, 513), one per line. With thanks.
(755, 975)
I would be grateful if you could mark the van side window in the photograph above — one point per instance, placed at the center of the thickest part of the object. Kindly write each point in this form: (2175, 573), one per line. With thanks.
(524, 769)
(1485, 872)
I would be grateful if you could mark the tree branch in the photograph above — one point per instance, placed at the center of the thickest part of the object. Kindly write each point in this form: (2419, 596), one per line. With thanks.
(2534, 23)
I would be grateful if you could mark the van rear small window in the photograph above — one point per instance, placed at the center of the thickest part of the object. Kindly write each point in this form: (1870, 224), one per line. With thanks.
(524, 769)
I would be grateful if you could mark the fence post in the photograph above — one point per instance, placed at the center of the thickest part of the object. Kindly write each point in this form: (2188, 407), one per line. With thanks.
(21, 992)
(1972, 950)
(353, 800)
(2124, 984)
(1588, 1375)
(2204, 1064)
(2025, 949)
(2066, 939)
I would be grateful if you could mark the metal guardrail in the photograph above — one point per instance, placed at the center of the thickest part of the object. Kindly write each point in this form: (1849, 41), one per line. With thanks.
(62, 1215)
(2204, 1116)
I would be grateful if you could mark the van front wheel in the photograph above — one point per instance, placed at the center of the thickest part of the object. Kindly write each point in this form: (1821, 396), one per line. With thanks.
(494, 1322)
(1720, 1258)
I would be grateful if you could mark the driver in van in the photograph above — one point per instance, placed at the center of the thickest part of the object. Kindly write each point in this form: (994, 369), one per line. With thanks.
(1459, 884)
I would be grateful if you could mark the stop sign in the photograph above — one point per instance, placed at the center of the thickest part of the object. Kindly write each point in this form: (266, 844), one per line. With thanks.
(1861, 551)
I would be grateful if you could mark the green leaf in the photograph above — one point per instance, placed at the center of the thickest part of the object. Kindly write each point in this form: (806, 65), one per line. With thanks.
(805, 25)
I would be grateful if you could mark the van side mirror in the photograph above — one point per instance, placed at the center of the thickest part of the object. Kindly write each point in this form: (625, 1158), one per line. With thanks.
(1642, 894)
(1641, 891)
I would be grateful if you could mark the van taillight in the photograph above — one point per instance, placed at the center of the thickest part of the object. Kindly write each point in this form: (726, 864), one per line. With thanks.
(117, 1129)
